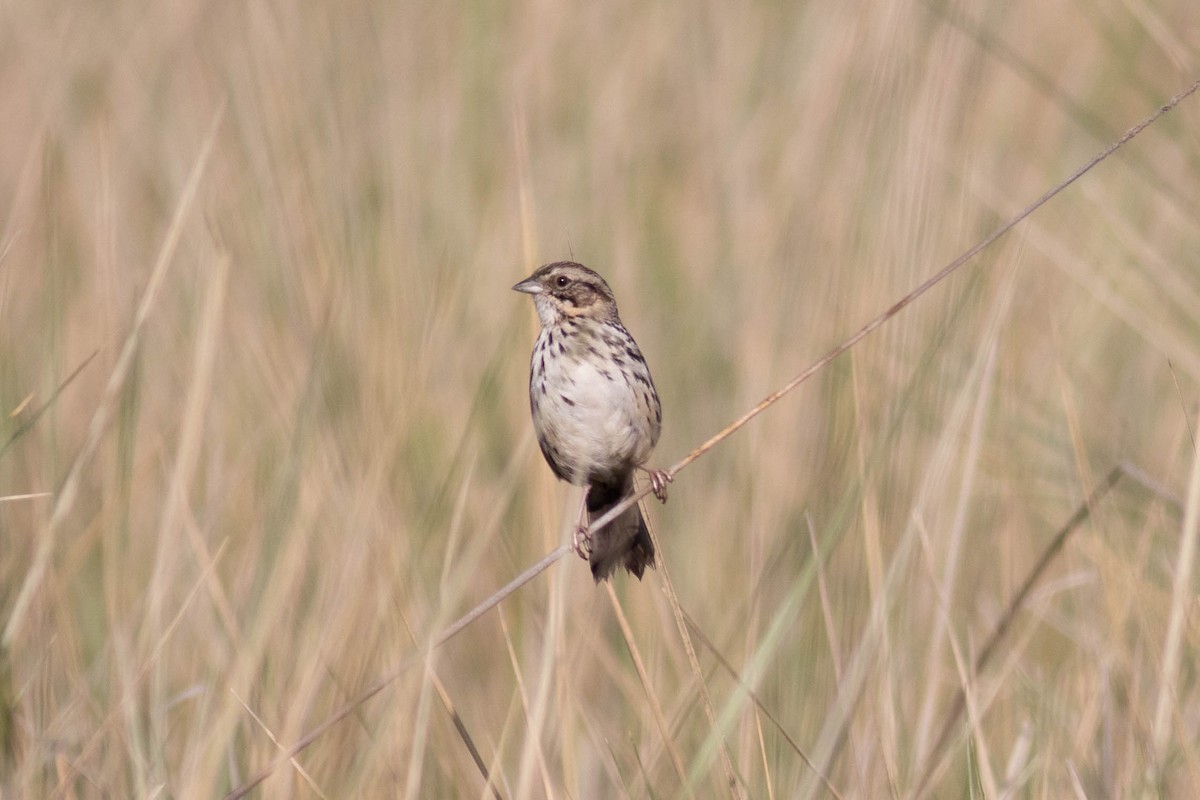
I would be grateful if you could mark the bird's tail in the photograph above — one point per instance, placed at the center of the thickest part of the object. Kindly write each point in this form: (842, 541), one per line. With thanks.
(623, 542)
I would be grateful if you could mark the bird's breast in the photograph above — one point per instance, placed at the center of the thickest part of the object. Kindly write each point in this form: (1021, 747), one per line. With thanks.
(586, 407)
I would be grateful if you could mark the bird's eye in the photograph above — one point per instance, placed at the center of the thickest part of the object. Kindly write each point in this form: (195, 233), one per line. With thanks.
(562, 281)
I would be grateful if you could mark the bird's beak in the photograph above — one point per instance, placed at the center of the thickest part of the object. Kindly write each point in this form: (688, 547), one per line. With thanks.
(528, 286)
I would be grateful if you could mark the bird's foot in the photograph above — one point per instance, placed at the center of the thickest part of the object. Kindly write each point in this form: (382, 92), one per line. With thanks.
(581, 542)
(659, 478)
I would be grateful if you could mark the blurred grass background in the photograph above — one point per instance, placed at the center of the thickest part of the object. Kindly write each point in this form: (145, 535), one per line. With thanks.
(321, 451)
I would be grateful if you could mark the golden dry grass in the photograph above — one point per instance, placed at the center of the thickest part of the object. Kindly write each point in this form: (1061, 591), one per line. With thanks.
(317, 452)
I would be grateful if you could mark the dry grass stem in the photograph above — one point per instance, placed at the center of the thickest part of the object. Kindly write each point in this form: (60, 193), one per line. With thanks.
(648, 686)
(951, 717)
(270, 735)
(715, 730)
(1182, 598)
(762, 708)
(70, 486)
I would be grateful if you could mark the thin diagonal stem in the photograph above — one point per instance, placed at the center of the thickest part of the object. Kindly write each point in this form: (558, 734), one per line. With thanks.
(404, 666)
(900, 304)
(36, 415)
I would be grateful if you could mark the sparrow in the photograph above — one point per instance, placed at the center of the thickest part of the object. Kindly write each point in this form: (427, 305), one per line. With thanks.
(595, 410)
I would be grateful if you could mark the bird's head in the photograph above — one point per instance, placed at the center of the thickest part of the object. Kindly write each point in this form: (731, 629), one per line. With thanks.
(565, 290)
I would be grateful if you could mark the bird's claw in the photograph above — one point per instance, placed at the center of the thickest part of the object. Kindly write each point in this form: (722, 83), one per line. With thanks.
(658, 483)
(581, 542)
